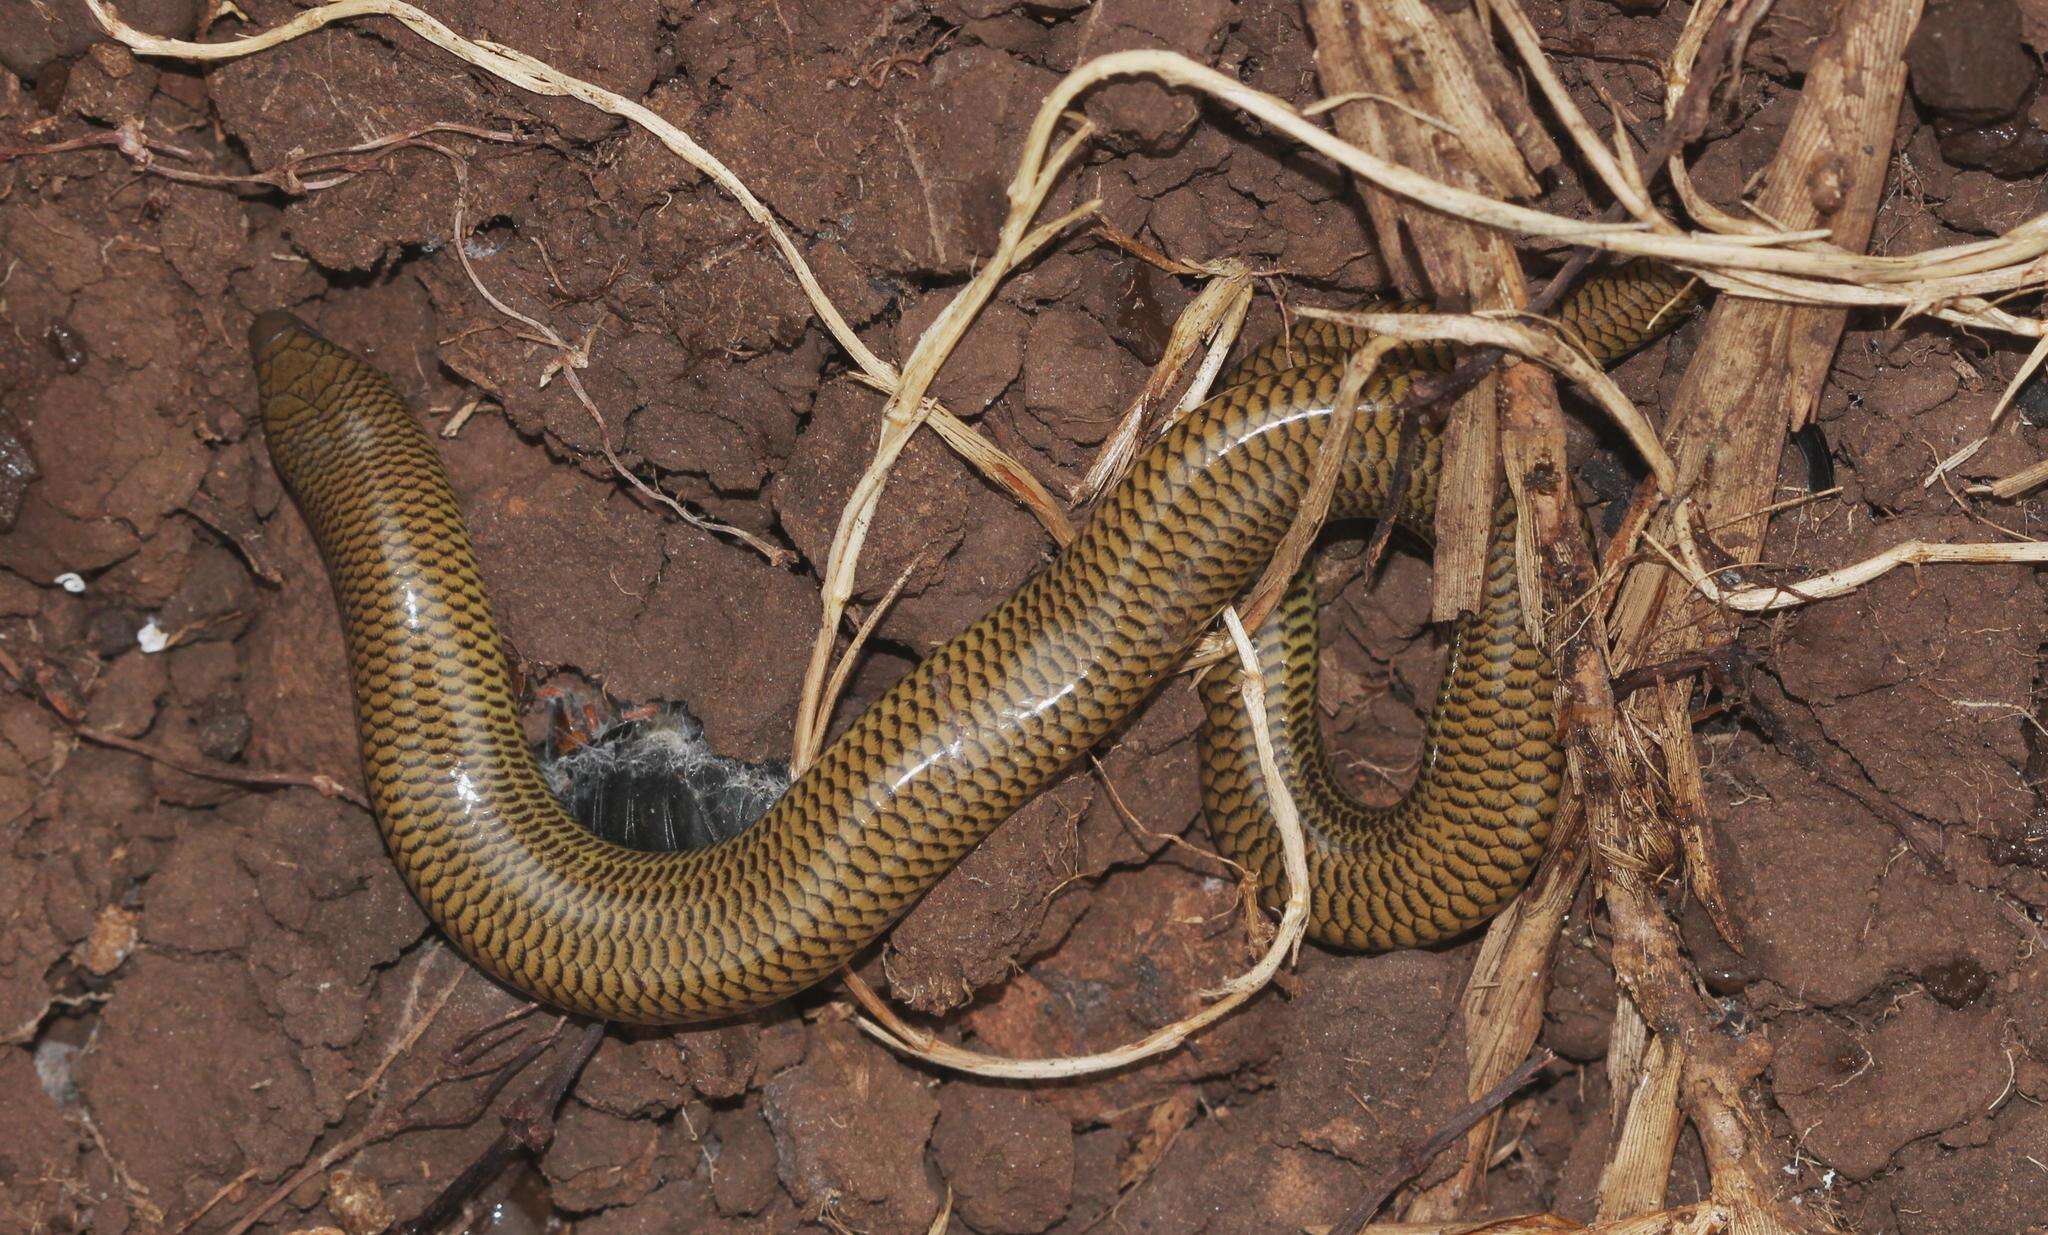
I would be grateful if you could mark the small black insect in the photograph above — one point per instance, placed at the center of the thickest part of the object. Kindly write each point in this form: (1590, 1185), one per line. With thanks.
(67, 345)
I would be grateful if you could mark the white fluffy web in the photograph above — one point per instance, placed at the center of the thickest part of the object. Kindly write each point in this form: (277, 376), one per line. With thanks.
(658, 784)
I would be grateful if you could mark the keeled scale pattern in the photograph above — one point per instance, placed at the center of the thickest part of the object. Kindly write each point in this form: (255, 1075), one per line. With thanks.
(916, 781)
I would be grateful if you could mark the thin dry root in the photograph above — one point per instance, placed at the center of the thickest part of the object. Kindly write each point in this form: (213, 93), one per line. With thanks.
(1488, 330)
(1315, 506)
(891, 1031)
(528, 73)
(568, 359)
(1213, 317)
(1764, 597)
(2012, 486)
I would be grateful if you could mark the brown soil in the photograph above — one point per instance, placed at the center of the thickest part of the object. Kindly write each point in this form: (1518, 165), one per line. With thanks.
(204, 986)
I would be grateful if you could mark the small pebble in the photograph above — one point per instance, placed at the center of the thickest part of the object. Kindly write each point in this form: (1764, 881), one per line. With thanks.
(111, 630)
(224, 728)
(358, 1203)
(1956, 982)
(1966, 59)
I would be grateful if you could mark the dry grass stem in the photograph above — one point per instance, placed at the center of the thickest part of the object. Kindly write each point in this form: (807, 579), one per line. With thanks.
(1765, 597)
(905, 411)
(1004, 469)
(944, 1218)
(1487, 331)
(998, 465)
(1615, 166)
(1212, 318)
(1315, 505)
(889, 1029)
(2008, 487)
(1406, 108)
(850, 658)
(1703, 21)
(1639, 1165)
(1503, 1002)
(2011, 486)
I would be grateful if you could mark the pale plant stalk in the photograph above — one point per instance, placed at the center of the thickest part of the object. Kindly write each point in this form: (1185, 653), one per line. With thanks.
(1615, 167)
(889, 1029)
(1214, 315)
(1684, 60)
(850, 658)
(1331, 102)
(906, 410)
(2006, 488)
(1293, 548)
(524, 71)
(1487, 330)
(2011, 486)
(1220, 344)
(993, 462)
(1767, 597)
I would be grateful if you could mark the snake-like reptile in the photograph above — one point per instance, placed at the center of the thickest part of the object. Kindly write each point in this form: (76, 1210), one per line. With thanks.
(960, 743)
